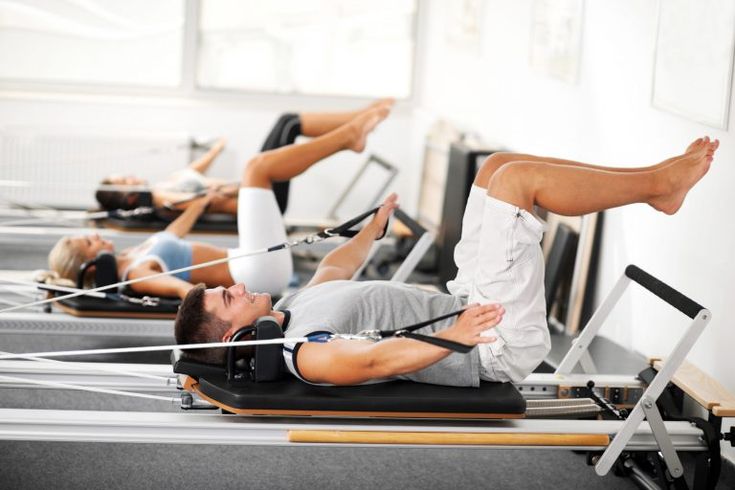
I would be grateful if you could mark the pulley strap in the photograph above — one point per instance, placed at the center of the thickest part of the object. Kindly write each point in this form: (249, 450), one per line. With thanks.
(444, 343)
(407, 332)
(416, 326)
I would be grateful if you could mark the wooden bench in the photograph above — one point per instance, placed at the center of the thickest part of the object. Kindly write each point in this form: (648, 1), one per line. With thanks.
(707, 391)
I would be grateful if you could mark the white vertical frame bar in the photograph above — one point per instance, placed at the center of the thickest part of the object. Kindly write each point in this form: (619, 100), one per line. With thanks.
(414, 257)
(582, 343)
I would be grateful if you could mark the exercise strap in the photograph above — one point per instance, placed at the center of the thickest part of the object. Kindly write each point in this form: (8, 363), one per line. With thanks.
(407, 332)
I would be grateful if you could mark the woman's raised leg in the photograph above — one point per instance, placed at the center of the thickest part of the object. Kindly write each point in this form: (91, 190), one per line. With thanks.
(319, 123)
(289, 161)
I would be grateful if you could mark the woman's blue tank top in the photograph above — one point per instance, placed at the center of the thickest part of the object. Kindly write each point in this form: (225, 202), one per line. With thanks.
(170, 251)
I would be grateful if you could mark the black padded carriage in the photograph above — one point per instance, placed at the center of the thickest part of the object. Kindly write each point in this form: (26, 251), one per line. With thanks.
(208, 222)
(402, 399)
(87, 306)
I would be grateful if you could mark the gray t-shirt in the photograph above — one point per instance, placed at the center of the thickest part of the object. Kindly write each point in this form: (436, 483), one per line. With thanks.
(352, 306)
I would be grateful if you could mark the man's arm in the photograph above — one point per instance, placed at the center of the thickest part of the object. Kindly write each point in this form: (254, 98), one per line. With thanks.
(349, 362)
(343, 261)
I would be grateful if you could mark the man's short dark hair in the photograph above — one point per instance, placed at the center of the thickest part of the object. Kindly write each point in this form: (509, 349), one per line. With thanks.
(196, 325)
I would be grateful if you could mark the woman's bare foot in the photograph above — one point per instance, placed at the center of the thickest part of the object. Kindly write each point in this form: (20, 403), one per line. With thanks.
(363, 124)
(678, 178)
(386, 102)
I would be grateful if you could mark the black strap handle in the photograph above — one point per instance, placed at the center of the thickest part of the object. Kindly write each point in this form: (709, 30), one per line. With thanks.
(416, 326)
(446, 344)
(344, 228)
(673, 297)
(407, 332)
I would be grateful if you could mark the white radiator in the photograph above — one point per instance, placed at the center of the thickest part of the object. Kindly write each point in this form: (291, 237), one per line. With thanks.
(62, 167)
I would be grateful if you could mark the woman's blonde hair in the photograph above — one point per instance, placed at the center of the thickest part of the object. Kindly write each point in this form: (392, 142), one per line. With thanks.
(65, 259)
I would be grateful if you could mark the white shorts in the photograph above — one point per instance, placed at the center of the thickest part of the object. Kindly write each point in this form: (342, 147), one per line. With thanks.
(260, 225)
(499, 260)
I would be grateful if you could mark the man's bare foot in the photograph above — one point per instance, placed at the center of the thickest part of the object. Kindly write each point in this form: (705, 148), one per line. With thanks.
(363, 124)
(678, 178)
(695, 145)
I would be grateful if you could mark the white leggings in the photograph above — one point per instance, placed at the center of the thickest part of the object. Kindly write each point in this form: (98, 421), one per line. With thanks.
(499, 260)
(260, 225)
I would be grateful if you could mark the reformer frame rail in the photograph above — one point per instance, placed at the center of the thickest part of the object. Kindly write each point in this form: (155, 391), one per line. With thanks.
(188, 428)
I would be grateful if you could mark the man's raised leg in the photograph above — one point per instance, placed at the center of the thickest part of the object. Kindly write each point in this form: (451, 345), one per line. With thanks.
(573, 191)
(498, 159)
(516, 184)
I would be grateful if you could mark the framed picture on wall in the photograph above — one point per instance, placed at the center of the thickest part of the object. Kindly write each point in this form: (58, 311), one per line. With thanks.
(693, 66)
(556, 41)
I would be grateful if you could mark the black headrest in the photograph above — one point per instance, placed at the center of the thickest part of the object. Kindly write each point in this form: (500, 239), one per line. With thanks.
(145, 199)
(105, 272)
(265, 365)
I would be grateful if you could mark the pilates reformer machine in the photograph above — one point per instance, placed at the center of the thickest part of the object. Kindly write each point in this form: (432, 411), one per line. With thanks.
(636, 426)
(20, 219)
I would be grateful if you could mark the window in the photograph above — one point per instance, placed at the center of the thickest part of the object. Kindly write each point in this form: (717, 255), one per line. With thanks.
(316, 47)
(135, 42)
(335, 47)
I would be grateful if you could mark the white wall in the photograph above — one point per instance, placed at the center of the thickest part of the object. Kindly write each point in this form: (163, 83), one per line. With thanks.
(605, 118)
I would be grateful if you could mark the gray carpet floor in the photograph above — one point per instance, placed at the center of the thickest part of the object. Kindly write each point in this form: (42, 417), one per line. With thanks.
(74, 465)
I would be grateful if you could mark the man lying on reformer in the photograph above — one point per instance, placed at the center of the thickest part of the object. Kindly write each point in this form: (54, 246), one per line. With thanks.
(259, 220)
(180, 189)
(500, 279)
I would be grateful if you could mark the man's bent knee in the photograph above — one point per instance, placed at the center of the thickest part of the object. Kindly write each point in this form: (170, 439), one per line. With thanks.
(492, 164)
(514, 183)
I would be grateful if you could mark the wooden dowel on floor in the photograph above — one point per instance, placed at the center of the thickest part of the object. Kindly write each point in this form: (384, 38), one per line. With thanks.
(446, 438)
